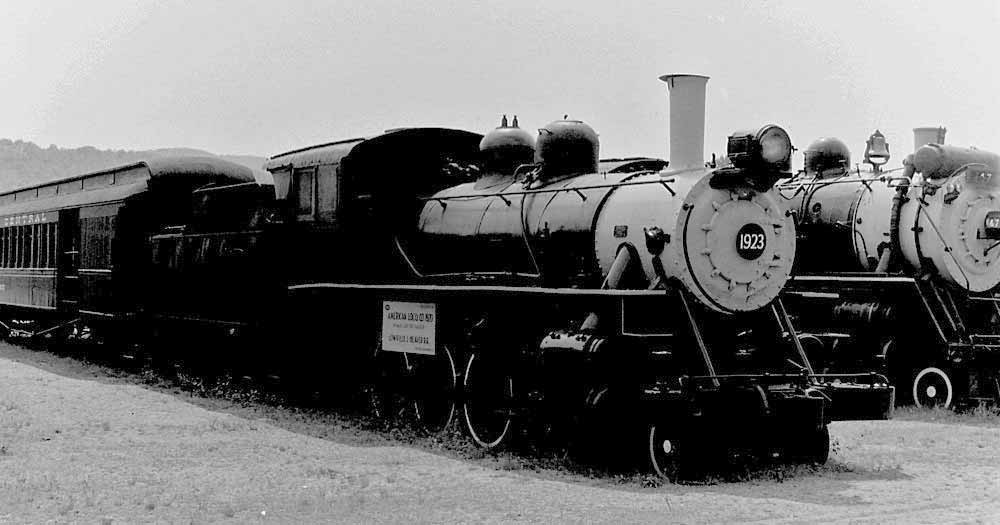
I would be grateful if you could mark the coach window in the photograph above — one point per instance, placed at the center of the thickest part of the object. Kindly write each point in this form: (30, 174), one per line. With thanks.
(33, 246)
(18, 246)
(304, 191)
(28, 243)
(38, 249)
(327, 191)
(51, 245)
(39, 246)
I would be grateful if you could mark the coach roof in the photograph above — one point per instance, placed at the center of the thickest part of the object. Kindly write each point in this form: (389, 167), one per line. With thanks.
(208, 169)
(160, 167)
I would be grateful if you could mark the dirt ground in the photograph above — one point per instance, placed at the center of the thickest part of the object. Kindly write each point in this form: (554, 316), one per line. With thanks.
(78, 446)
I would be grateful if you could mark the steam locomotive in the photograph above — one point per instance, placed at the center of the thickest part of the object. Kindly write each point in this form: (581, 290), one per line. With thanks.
(510, 281)
(545, 289)
(898, 268)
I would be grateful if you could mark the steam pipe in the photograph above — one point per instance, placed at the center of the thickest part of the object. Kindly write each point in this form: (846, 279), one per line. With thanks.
(897, 205)
(623, 262)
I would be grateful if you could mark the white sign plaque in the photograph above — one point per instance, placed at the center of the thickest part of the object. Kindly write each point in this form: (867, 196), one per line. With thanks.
(408, 327)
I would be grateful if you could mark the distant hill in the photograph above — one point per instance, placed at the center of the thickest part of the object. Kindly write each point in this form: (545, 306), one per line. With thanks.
(25, 163)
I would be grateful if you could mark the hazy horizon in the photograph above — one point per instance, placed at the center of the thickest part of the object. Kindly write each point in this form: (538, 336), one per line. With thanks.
(254, 78)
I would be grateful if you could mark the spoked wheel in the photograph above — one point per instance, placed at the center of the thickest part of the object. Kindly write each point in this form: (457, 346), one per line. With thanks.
(489, 391)
(810, 447)
(421, 387)
(933, 388)
(663, 452)
(434, 383)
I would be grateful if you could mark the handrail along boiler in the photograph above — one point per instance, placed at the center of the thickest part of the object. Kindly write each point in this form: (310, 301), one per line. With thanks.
(547, 290)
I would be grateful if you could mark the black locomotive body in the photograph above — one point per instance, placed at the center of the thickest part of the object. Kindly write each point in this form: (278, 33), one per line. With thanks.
(898, 269)
(625, 302)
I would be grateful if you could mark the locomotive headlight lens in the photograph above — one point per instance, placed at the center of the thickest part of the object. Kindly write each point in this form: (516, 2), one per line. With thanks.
(768, 148)
(775, 147)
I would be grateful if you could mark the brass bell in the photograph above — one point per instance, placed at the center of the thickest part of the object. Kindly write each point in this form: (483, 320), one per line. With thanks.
(876, 150)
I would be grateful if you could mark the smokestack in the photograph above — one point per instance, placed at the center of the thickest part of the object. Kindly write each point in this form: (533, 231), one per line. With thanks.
(687, 120)
(927, 135)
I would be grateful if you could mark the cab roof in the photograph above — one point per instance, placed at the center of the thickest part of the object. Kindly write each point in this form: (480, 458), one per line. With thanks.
(334, 152)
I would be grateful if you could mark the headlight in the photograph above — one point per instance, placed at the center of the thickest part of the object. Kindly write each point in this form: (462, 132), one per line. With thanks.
(768, 148)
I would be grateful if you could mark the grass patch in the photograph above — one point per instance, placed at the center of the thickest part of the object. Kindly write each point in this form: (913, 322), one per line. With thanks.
(978, 415)
(536, 450)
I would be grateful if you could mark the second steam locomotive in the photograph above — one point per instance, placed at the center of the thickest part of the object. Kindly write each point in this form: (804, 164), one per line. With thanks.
(898, 268)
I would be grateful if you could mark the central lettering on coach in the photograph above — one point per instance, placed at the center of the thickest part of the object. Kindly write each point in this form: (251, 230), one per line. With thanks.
(28, 218)
(408, 327)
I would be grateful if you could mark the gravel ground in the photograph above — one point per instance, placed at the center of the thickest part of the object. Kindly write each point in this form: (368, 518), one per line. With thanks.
(79, 446)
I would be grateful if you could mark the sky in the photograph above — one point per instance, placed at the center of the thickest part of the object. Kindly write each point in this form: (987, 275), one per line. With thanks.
(259, 78)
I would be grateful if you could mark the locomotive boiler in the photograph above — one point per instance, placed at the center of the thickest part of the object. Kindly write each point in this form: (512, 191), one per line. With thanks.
(728, 242)
(898, 267)
(549, 294)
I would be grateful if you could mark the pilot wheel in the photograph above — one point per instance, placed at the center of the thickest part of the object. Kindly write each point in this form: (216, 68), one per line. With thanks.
(933, 387)
(665, 452)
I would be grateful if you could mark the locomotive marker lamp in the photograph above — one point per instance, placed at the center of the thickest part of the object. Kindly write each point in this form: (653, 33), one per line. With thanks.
(876, 151)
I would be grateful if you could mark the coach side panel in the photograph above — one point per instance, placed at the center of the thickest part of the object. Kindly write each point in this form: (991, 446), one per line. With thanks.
(28, 260)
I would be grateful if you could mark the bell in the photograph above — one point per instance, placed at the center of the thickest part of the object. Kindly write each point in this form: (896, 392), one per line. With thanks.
(876, 149)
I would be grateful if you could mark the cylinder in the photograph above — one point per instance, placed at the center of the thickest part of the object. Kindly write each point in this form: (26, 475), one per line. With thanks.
(687, 120)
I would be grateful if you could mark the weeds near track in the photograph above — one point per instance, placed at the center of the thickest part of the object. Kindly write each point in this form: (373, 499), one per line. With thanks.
(978, 415)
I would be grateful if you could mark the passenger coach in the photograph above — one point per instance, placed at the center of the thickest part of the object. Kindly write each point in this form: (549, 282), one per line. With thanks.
(76, 249)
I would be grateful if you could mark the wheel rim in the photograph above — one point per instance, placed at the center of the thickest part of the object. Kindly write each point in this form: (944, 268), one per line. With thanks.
(932, 387)
(486, 407)
(663, 453)
(434, 405)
